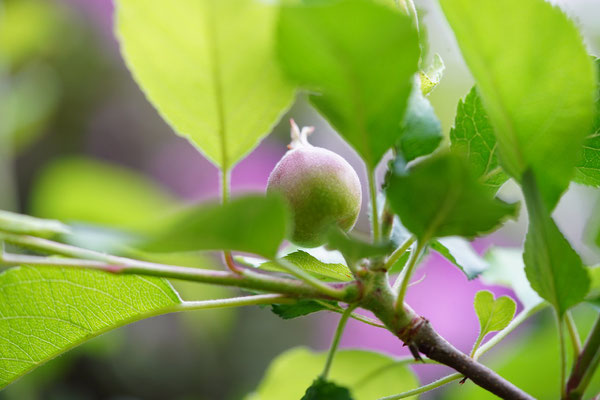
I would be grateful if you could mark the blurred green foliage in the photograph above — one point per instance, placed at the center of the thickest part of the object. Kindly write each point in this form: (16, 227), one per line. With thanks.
(368, 375)
(78, 189)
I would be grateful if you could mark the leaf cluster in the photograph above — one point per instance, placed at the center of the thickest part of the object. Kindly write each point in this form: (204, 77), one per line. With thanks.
(222, 73)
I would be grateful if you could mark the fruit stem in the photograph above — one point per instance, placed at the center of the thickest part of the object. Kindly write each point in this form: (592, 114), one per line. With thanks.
(336, 340)
(374, 208)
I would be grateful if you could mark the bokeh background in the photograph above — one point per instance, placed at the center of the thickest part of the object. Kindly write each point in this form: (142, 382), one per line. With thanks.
(79, 142)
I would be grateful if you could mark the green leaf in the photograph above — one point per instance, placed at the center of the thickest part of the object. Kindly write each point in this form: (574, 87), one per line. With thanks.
(209, 68)
(354, 249)
(47, 311)
(77, 189)
(493, 314)
(473, 136)
(367, 375)
(588, 166)
(362, 99)
(301, 308)
(507, 269)
(399, 265)
(460, 253)
(432, 76)
(421, 129)
(536, 81)
(308, 263)
(553, 268)
(253, 223)
(23, 224)
(440, 197)
(530, 361)
(324, 390)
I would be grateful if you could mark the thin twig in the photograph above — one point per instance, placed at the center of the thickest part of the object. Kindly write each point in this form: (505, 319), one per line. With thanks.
(143, 267)
(425, 388)
(354, 315)
(235, 302)
(119, 265)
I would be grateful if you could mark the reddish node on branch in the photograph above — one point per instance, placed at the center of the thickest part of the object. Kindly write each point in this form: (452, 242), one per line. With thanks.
(114, 269)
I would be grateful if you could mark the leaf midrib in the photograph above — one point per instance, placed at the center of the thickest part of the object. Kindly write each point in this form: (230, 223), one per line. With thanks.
(214, 60)
(450, 201)
(539, 227)
(485, 331)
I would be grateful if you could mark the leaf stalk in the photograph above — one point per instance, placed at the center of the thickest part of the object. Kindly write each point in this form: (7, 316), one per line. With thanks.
(399, 252)
(374, 208)
(336, 340)
(408, 271)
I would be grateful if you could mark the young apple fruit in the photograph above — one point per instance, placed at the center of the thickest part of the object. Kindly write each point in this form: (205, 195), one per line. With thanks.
(322, 189)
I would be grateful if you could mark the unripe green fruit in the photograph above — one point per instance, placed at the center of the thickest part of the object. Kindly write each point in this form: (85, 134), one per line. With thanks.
(321, 188)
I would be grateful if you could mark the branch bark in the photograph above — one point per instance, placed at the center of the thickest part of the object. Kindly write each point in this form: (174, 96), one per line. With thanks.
(430, 343)
(417, 333)
(371, 292)
(246, 280)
